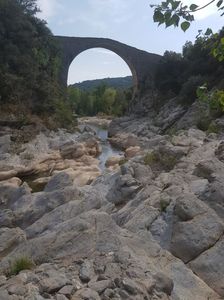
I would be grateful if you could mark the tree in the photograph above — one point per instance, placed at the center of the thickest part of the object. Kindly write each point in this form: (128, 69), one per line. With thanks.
(109, 97)
(29, 63)
(29, 6)
(175, 13)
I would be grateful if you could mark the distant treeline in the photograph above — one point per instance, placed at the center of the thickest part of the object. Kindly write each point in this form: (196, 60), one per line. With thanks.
(102, 99)
(116, 83)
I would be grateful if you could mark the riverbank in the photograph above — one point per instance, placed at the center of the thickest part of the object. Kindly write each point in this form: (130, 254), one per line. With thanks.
(34, 161)
(150, 228)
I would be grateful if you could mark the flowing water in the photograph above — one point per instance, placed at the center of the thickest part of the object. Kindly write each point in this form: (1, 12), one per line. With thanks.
(107, 149)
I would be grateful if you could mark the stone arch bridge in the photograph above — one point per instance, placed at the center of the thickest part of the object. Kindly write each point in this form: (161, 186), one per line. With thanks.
(141, 63)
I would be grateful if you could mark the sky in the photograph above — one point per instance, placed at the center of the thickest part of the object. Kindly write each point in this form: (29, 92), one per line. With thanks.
(127, 21)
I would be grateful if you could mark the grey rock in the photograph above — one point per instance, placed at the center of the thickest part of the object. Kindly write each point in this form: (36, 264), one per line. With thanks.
(108, 293)
(61, 214)
(197, 229)
(163, 283)
(2, 280)
(7, 218)
(101, 286)
(199, 186)
(30, 208)
(53, 281)
(214, 196)
(208, 168)
(5, 295)
(10, 238)
(59, 181)
(171, 112)
(86, 271)
(209, 266)
(219, 152)
(67, 290)
(61, 297)
(192, 116)
(122, 189)
(86, 294)
(123, 294)
(72, 150)
(10, 194)
(130, 286)
(18, 290)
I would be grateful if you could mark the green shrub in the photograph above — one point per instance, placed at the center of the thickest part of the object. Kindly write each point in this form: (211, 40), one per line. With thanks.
(172, 131)
(123, 161)
(188, 93)
(214, 99)
(20, 264)
(164, 204)
(63, 113)
(160, 160)
(203, 123)
(151, 158)
(213, 128)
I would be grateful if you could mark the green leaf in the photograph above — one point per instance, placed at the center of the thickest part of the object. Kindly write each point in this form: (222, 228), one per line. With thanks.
(158, 17)
(208, 31)
(167, 16)
(164, 4)
(185, 25)
(222, 41)
(176, 20)
(219, 3)
(215, 52)
(188, 17)
(193, 7)
(175, 4)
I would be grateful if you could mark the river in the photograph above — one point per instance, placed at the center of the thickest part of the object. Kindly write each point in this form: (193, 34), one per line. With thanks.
(107, 149)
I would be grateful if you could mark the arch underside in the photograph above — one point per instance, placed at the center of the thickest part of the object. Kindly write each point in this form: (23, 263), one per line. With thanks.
(132, 69)
(141, 63)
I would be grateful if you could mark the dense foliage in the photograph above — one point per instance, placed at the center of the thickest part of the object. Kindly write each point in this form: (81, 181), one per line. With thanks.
(29, 62)
(175, 13)
(102, 99)
(181, 74)
(116, 83)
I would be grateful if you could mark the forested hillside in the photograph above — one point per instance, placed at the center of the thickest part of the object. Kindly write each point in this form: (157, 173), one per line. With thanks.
(116, 83)
(29, 64)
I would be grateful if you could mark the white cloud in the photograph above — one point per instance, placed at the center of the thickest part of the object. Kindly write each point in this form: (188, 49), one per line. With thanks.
(205, 12)
(49, 8)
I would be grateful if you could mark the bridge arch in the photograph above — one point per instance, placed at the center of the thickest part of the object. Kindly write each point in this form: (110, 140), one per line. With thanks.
(141, 63)
(96, 57)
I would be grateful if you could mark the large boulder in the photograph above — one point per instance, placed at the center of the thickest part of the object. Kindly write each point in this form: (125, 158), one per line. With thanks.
(209, 266)
(28, 209)
(72, 150)
(196, 229)
(124, 140)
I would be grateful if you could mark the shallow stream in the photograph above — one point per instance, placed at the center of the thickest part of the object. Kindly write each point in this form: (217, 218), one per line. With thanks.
(107, 149)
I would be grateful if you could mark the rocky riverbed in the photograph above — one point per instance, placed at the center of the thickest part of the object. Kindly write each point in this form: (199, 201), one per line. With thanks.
(148, 227)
